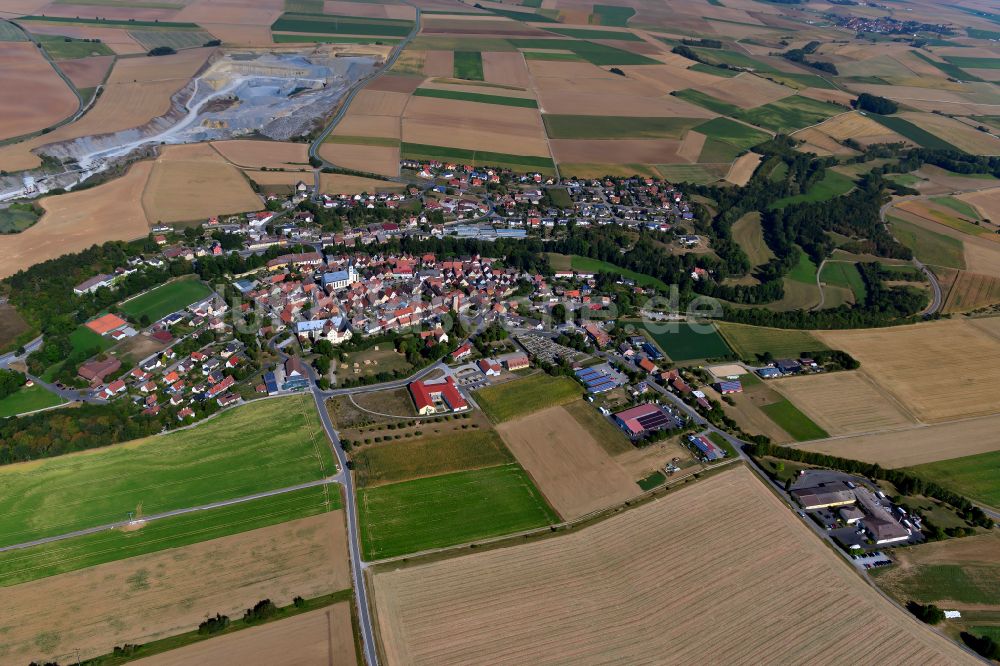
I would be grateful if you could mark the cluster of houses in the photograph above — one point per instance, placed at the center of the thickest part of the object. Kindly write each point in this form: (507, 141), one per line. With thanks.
(788, 366)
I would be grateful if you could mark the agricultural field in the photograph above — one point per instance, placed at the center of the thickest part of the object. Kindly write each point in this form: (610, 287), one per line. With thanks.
(28, 399)
(564, 586)
(844, 274)
(422, 514)
(976, 477)
(897, 359)
(87, 73)
(588, 265)
(257, 154)
(341, 25)
(616, 127)
(161, 301)
(971, 291)
(267, 445)
(521, 397)
(682, 341)
(468, 65)
(842, 402)
(912, 132)
(570, 468)
(930, 247)
(748, 234)
(789, 114)
(728, 131)
(611, 438)
(26, 564)
(67, 48)
(17, 218)
(143, 598)
(790, 419)
(34, 98)
(175, 39)
(74, 221)
(833, 184)
(952, 213)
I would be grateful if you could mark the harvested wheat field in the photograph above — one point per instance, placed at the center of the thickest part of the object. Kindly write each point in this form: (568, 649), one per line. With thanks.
(862, 129)
(506, 68)
(618, 151)
(378, 126)
(322, 636)
(117, 39)
(335, 183)
(270, 154)
(439, 63)
(382, 160)
(567, 464)
(842, 402)
(746, 90)
(955, 132)
(490, 127)
(972, 291)
(637, 587)
(379, 103)
(987, 202)
(34, 97)
(87, 72)
(918, 445)
(821, 144)
(161, 594)
(743, 168)
(138, 90)
(77, 220)
(691, 146)
(939, 371)
(192, 182)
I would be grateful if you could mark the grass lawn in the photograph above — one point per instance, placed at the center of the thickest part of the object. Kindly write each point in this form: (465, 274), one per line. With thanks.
(962, 583)
(707, 101)
(468, 65)
(520, 397)
(794, 422)
(446, 510)
(456, 451)
(588, 265)
(16, 219)
(929, 247)
(961, 207)
(19, 566)
(610, 437)
(723, 444)
(476, 97)
(270, 444)
(977, 477)
(651, 481)
(682, 341)
(831, 185)
(692, 173)
(748, 341)
(790, 113)
(845, 274)
(27, 399)
(804, 271)
(736, 134)
(167, 298)
(747, 232)
(560, 197)
(615, 127)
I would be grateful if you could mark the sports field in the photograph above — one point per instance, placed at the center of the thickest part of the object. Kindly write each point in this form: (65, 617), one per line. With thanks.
(524, 396)
(161, 301)
(439, 511)
(682, 341)
(19, 566)
(719, 560)
(977, 477)
(270, 444)
(748, 341)
(27, 399)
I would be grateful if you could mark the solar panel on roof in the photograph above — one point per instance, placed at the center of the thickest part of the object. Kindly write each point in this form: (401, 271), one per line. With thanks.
(655, 420)
(600, 388)
(598, 382)
(584, 374)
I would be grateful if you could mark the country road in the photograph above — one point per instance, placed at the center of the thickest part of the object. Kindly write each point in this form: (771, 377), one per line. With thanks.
(936, 297)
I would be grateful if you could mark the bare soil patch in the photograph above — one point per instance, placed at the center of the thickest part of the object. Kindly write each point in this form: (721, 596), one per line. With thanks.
(77, 220)
(643, 572)
(393, 83)
(439, 63)
(379, 103)
(358, 125)
(621, 151)
(987, 202)
(507, 68)
(161, 594)
(87, 72)
(322, 636)
(335, 183)
(270, 154)
(842, 402)
(567, 464)
(383, 160)
(691, 146)
(34, 97)
(907, 362)
(12, 324)
(192, 182)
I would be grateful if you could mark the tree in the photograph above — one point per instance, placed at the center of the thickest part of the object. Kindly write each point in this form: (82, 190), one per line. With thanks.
(322, 365)
(984, 645)
(213, 625)
(161, 51)
(875, 104)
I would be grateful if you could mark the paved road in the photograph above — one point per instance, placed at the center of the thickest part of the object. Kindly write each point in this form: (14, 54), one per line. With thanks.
(11, 357)
(175, 512)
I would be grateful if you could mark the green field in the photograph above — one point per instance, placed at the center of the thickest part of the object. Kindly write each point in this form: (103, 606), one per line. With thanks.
(83, 340)
(717, 151)
(175, 39)
(544, 55)
(112, 23)
(19, 566)
(789, 114)
(844, 274)
(800, 81)
(721, 56)
(456, 451)
(611, 438)
(521, 397)
(468, 65)
(588, 265)
(597, 54)
(706, 101)
(681, 341)
(974, 63)
(737, 134)
(386, 141)
(616, 127)
(167, 298)
(794, 422)
(270, 444)
(418, 151)
(341, 25)
(748, 233)
(613, 15)
(587, 33)
(559, 197)
(445, 510)
(914, 133)
(977, 477)
(949, 69)
(715, 71)
(521, 16)
(17, 218)
(959, 206)
(651, 481)
(284, 38)
(699, 174)
(804, 271)
(748, 341)
(27, 399)
(832, 184)
(11, 33)
(67, 48)
(965, 583)
(476, 97)
(929, 247)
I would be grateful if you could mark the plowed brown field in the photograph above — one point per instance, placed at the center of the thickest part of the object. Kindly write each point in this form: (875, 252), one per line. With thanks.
(34, 97)
(271, 154)
(689, 578)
